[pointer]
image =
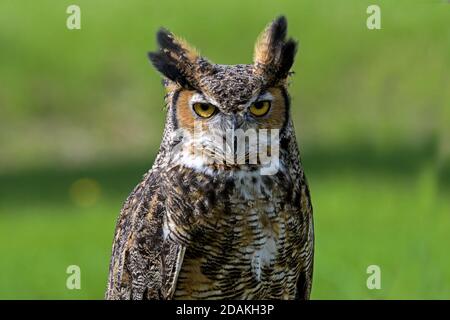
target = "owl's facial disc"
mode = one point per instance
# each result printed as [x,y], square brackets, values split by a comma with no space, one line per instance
[231,133]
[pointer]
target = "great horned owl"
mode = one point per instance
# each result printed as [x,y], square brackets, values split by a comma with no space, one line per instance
[202,226]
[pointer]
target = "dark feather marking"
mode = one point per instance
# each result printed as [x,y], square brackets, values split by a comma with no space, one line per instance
[282,52]
[287,110]
[175,97]
[288,52]
[278,31]
[168,67]
[166,41]
[302,287]
[171,59]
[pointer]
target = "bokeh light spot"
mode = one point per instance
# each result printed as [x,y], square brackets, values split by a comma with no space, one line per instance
[85,192]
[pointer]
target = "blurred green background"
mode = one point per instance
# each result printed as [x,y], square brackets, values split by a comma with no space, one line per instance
[81,117]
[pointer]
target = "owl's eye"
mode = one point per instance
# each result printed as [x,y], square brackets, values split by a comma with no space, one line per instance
[204,110]
[260,108]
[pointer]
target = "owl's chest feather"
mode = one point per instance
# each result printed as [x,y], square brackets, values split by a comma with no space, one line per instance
[261,223]
[247,252]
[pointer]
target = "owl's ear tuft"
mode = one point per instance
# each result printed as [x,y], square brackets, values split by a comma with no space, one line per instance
[274,55]
[288,53]
[168,68]
[175,59]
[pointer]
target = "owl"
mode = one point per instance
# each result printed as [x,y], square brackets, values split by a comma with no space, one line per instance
[207,222]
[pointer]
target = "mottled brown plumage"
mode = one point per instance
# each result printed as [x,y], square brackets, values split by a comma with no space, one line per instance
[199,229]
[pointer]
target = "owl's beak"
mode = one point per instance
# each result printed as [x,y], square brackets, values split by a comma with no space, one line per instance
[237,121]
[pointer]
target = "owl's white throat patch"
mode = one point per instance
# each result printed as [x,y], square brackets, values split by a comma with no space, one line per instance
[207,151]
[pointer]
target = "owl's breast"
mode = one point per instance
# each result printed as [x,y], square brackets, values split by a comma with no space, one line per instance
[249,247]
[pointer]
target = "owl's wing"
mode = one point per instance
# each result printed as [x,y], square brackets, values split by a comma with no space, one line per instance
[304,282]
[143,265]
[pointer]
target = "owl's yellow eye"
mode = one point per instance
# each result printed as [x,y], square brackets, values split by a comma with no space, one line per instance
[204,110]
[260,108]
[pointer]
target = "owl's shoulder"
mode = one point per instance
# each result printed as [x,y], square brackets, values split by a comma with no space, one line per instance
[142,263]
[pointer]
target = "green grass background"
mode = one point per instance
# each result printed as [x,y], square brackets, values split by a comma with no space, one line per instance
[371,110]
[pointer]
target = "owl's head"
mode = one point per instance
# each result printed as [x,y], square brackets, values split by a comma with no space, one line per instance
[221,99]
